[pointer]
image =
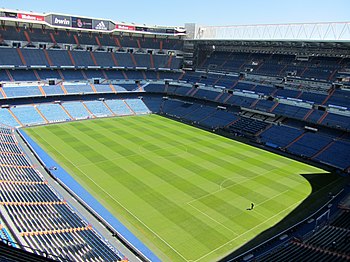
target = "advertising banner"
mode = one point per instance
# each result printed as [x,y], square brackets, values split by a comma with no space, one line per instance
[143,29]
[10,14]
[60,20]
[31,17]
[78,22]
[125,27]
[100,24]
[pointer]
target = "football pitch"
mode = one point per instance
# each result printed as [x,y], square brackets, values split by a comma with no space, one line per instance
[184,192]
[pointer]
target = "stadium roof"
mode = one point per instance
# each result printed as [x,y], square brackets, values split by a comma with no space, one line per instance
[330,31]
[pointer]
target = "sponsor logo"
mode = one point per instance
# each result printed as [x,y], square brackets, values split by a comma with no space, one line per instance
[31,17]
[101,26]
[12,15]
[79,22]
[125,27]
[61,21]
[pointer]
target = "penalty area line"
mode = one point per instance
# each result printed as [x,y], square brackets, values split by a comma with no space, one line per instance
[204,214]
[214,250]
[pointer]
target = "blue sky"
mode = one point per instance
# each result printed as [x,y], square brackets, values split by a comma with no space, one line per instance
[204,12]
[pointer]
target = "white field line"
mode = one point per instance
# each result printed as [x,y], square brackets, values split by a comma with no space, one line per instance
[127,210]
[213,219]
[223,188]
[260,214]
[184,149]
[214,250]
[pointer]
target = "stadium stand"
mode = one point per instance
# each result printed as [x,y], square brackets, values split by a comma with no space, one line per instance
[28,115]
[279,101]
[76,110]
[41,217]
[53,112]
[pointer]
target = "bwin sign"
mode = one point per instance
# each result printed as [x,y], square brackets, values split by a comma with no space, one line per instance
[61,21]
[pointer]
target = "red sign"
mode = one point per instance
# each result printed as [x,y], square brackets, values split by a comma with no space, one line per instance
[125,27]
[31,17]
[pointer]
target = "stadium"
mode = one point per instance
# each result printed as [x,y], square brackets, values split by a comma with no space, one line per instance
[129,142]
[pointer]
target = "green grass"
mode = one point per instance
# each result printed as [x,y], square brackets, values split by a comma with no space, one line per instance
[183,191]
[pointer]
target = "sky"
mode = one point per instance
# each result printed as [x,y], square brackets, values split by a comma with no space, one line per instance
[203,12]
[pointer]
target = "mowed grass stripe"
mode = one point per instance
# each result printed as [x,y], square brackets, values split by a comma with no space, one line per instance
[189,186]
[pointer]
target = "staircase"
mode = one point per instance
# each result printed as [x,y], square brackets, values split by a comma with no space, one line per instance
[133,59]
[41,114]
[113,89]
[27,36]
[76,40]
[308,114]
[3,93]
[48,57]
[125,75]
[138,43]
[36,75]
[65,110]
[218,97]
[254,103]
[53,38]
[322,117]
[87,109]
[42,90]
[114,59]
[98,41]
[71,57]
[144,75]
[329,95]
[151,59]
[9,75]
[21,56]
[274,106]
[132,111]
[117,42]
[227,98]
[93,88]
[60,73]
[84,75]
[295,140]
[110,110]
[64,89]
[104,74]
[15,117]
[181,76]
[93,58]
[169,61]
[231,123]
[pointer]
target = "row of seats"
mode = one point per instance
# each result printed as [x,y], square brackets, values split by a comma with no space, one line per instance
[278,105]
[321,68]
[61,36]
[339,97]
[203,115]
[65,89]
[318,146]
[41,218]
[61,58]
[26,115]
[84,74]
